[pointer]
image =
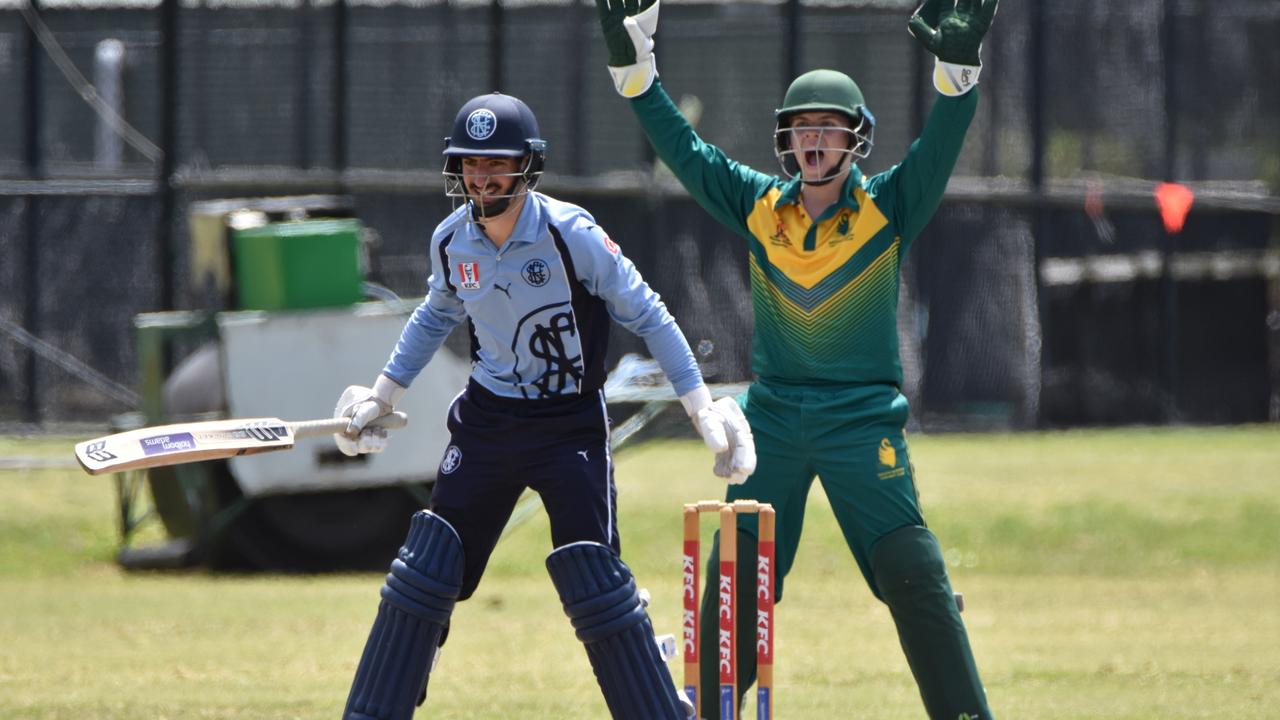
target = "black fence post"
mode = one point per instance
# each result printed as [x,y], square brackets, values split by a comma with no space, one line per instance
[1168,284]
[581,19]
[169,44]
[791,12]
[34,161]
[340,159]
[302,86]
[1039,78]
[496,50]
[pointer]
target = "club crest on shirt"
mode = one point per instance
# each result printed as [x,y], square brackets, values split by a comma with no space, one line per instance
[779,237]
[548,338]
[611,246]
[843,225]
[535,272]
[469,276]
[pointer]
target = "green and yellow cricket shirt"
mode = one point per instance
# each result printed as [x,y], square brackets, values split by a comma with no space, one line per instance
[824,290]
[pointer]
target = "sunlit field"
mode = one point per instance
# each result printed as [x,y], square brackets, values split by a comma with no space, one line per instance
[1112,574]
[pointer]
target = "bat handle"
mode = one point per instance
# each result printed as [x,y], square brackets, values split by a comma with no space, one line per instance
[329,426]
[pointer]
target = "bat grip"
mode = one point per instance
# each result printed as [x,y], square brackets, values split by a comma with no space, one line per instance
[329,426]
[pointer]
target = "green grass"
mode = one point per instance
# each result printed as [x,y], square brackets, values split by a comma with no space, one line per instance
[1121,574]
[43,446]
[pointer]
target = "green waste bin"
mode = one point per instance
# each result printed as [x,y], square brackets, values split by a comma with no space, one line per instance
[295,265]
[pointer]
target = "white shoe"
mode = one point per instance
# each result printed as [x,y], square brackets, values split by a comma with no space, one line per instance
[687,704]
[666,647]
[667,651]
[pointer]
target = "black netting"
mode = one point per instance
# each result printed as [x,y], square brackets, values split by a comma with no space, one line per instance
[1018,307]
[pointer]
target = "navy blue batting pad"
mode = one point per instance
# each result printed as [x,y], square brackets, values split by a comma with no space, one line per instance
[419,596]
[600,598]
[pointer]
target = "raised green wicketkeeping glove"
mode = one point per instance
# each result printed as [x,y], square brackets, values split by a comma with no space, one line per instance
[628,27]
[953,30]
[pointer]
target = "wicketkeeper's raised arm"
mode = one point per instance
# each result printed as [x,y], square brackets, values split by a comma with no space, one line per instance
[628,27]
[723,187]
[952,30]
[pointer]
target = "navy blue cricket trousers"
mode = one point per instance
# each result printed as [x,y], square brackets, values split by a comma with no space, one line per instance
[558,447]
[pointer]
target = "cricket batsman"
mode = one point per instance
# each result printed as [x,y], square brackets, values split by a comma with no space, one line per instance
[538,285]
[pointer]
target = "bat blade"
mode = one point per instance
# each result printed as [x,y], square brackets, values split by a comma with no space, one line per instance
[183,443]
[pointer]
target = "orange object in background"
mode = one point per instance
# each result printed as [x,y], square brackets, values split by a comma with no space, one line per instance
[1174,201]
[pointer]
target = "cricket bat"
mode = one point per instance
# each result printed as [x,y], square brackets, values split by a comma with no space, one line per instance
[195,441]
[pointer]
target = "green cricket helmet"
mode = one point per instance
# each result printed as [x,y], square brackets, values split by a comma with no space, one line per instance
[823,91]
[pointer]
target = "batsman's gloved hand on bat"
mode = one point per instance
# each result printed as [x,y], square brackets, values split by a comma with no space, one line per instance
[362,405]
[724,429]
[628,32]
[953,30]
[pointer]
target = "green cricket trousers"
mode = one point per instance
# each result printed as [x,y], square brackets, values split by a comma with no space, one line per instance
[851,439]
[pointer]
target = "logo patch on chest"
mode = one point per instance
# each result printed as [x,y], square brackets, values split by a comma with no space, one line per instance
[779,237]
[469,276]
[842,228]
[535,272]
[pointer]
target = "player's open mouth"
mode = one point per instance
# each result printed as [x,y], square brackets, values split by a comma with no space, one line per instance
[813,158]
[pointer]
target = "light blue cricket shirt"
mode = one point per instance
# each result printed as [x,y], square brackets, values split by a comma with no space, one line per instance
[538,309]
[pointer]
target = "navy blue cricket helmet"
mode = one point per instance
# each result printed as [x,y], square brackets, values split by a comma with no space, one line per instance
[494,125]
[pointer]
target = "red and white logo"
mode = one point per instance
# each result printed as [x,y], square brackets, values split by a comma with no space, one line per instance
[469,273]
[611,246]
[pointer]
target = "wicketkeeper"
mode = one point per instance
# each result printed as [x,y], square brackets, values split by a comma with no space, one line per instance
[538,283]
[825,245]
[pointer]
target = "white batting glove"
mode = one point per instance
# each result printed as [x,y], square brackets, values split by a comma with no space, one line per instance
[724,429]
[362,405]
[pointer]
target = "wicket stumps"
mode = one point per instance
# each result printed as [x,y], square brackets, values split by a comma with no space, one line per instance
[765,588]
